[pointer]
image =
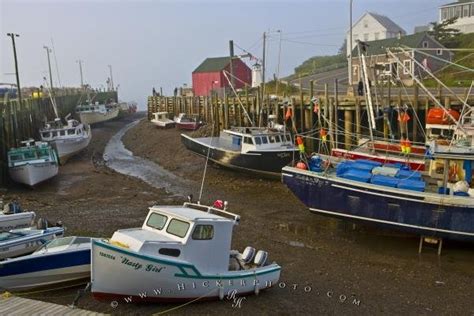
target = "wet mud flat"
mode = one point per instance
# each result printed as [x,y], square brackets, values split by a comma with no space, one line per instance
[328,266]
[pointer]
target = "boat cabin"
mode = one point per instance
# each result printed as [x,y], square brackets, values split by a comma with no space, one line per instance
[191,233]
[91,108]
[74,128]
[161,116]
[258,139]
[63,244]
[40,152]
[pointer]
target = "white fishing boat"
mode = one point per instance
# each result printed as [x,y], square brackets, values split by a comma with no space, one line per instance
[96,113]
[32,163]
[179,254]
[19,242]
[67,139]
[161,119]
[60,260]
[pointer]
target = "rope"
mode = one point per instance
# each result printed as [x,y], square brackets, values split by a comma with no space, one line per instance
[185,304]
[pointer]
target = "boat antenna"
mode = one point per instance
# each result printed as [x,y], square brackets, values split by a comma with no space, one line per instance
[53,101]
[56,63]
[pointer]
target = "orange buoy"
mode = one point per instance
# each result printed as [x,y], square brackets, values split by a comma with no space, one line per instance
[404,117]
[288,114]
[301,165]
[324,135]
[300,143]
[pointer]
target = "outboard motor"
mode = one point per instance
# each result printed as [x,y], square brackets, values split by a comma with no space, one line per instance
[42,223]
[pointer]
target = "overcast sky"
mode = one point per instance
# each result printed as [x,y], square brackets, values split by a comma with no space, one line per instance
[160,43]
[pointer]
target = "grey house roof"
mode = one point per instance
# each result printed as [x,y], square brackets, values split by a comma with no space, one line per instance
[387,23]
[379,47]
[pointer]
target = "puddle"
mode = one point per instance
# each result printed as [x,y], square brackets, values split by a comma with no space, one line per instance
[122,160]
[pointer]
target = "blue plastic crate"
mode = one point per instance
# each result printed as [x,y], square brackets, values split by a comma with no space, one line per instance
[384,180]
[413,185]
[356,175]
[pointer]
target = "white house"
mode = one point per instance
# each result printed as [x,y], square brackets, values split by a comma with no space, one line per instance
[463,10]
[373,27]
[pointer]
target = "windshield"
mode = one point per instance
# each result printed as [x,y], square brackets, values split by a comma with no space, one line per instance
[7,236]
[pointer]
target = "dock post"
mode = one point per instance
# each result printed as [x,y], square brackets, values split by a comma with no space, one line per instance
[348,122]
[357,119]
[301,111]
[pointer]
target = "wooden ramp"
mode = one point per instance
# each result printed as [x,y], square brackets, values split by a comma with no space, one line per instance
[24,306]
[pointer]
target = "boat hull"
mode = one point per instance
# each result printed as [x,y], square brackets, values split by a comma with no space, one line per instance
[16,221]
[269,162]
[67,148]
[97,117]
[190,126]
[117,272]
[34,271]
[163,124]
[414,164]
[414,212]
[33,173]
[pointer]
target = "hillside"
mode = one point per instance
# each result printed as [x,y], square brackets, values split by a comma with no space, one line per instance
[318,64]
[453,75]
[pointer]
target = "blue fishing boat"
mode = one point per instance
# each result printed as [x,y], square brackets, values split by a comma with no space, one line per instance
[386,195]
[19,242]
[58,261]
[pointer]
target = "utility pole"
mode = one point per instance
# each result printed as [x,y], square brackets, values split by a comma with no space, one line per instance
[231,53]
[111,77]
[80,70]
[349,45]
[263,63]
[48,50]
[13,35]
[278,67]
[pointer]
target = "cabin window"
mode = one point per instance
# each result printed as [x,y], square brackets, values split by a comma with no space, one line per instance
[177,228]
[16,157]
[169,252]
[157,221]
[70,132]
[203,232]
[272,139]
[47,135]
[78,132]
[277,138]
[236,141]
[258,140]
[264,140]
[30,155]
[43,153]
[55,134]
[288,137]
[248,140]
[81,240]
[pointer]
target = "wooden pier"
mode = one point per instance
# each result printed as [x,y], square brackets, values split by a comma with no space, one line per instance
[345,116]
[18,306]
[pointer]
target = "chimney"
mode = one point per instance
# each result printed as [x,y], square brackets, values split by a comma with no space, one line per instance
[399,34]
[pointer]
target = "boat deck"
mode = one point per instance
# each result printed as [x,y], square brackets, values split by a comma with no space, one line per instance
[14,305]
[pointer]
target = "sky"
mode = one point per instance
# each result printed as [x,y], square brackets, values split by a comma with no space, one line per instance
[159,43]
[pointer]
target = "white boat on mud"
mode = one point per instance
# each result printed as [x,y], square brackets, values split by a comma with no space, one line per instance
[96,113]
[60,260]
[67,139]
[180,253]
[21,242]
[16,221]
[33,163]
[160,119]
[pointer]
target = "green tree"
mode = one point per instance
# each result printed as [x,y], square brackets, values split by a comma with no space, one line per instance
[445,34]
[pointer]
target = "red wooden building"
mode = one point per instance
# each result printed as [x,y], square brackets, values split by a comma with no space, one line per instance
[210,75]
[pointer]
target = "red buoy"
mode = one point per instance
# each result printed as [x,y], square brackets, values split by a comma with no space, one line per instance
[301,165]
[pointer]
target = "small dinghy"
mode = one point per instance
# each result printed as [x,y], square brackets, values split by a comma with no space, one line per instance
[19,242]
[58,261]
[13,217]
[67,139]
[33,163]
[160,119]
[188,122]
[181,253]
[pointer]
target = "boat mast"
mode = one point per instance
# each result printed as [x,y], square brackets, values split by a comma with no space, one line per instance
[367,94]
